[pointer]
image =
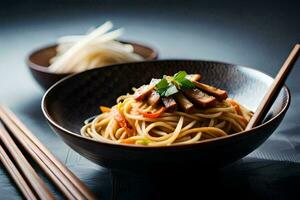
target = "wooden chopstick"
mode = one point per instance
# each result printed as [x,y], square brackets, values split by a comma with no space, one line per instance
[41,160]
[63,178]
[32,178]
[16,176]
[274,89]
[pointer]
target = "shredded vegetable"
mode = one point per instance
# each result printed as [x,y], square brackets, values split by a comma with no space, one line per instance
[76,53]
[154,114]
[104,109]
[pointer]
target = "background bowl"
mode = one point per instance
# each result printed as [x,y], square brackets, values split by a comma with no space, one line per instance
[69,102]
[38,62]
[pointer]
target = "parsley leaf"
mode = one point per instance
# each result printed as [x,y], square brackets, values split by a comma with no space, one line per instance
[170,85]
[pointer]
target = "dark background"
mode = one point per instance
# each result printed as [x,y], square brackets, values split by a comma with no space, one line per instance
[259,34]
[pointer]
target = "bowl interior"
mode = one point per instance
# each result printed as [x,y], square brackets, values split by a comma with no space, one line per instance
[71,101]
[42,56]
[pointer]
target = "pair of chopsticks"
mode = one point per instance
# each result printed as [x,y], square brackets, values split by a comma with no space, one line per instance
[28,181]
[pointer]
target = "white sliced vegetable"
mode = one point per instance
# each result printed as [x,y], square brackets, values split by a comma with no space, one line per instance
[98,48]
[70,38]
[75,49]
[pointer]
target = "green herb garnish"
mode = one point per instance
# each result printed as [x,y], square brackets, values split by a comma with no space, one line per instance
[180,75]
[182,82]
[163,83]
[170,85]
[165,89]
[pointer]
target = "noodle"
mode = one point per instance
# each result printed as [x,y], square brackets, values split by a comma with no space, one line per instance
[227,117]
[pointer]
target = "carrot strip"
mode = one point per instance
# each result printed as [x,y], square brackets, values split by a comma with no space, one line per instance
[104,109]
[122,122]
[153,115]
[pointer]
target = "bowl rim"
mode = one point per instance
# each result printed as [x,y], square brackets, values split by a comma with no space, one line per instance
[153,56]
[133,146]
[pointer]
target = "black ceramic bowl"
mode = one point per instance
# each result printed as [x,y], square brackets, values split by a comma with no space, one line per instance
[69,102]
[38,62]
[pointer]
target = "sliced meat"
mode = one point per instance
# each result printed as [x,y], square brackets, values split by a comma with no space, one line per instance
[216,92]
[153,98]
[143,92]
[169,103]
[193,77]
[202,99]
[184,103]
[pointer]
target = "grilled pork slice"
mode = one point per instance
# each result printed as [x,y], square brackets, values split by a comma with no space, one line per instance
[202,99]
[153,98]
[193,77]
[216,92]
[184,103]
[145,90]
[142,92]
[169,103]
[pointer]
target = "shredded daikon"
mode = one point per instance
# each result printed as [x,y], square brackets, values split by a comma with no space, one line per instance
[98,48]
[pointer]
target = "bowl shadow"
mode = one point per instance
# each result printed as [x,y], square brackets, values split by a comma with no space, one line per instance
[245,179]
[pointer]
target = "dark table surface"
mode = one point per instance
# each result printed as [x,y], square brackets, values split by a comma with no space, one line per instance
[254,34]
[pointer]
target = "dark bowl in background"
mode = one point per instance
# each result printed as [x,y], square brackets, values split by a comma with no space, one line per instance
[38,61]
[72,100]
